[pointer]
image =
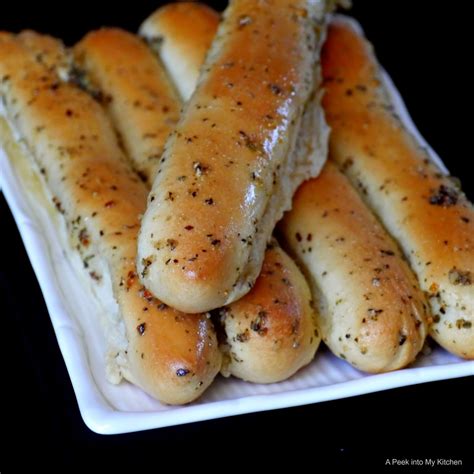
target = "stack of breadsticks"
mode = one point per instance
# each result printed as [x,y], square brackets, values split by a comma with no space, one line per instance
[181,159]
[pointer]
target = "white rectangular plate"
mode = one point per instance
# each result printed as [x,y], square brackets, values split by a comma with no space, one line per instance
[110,409]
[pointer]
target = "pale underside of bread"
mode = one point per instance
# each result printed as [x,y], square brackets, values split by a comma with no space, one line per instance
[40,198]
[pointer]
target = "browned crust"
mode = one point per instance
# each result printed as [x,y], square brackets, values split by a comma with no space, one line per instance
[182,30]
[102,199]
[133,87]
[224,159]
[423,209]
[272,331]
[373,313]
[47,50]
[193,35]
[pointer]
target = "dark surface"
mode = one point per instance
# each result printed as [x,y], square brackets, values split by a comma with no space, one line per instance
[426,51]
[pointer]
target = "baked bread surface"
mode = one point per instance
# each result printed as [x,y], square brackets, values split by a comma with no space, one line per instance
[230,168]
[372,311]
[171,355]
[421,207]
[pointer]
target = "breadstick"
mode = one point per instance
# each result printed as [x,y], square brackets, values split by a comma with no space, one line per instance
[273,330]
[372,311]
[181,34]
[171,355]
[421,207]
[250,134]
[141,102]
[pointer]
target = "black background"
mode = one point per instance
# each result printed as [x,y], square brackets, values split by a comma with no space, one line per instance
[426,48]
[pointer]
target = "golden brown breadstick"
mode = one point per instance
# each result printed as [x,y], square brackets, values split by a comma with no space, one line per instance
[140,100]
[372,312]
[424,210]
[181,33]
[245,141]
[272,331]
[171,355]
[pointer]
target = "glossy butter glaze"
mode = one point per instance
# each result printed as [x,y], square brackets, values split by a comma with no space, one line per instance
[217,195]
